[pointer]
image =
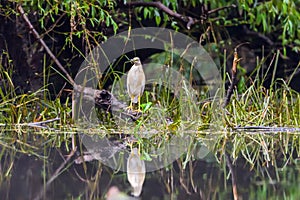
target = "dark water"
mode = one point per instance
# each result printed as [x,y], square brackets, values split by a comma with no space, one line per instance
[47,173]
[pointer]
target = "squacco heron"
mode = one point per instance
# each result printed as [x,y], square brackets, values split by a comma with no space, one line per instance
[135,82]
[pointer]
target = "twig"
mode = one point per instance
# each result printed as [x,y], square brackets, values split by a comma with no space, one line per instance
[189,20]
[222,8]
[37,36]
[235,62]
[233,176]
[40,123]
[266,129]
[54,176]
[33,124]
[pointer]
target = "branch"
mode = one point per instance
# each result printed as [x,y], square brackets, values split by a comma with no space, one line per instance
[219,9]
[187,19]
[235,62]
[107,101]
[57,172]
[233,177]
[37,36]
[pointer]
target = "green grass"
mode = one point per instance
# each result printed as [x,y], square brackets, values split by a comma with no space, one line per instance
[203,120]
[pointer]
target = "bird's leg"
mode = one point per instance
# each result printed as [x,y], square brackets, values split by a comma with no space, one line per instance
[139,104]
[139,149]
[131,145]
[130,107]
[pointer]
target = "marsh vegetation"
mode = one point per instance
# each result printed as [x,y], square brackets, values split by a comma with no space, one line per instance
[193,145]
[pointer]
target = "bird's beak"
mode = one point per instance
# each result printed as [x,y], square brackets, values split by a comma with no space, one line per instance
[131,60]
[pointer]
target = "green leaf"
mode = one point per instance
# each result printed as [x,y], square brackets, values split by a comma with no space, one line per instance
[146,156]
[146,106]
[115,26]
[91,21]
[264,23]
[157,20]
[146,13]
[93,11]
[107,21]
[101,14]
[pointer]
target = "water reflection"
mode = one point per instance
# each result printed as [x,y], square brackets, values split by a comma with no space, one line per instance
[114,193]
[136,172]
[25,176]
[114,152]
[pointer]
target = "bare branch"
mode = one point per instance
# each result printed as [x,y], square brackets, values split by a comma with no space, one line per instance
[189,20]
[37,36]
[235,62]
[222,8]
[57,172]
[233,177]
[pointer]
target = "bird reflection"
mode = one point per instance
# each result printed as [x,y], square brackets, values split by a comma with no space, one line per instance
[115,194]
[136,171]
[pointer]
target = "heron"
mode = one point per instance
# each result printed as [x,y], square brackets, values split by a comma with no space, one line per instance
[136,83]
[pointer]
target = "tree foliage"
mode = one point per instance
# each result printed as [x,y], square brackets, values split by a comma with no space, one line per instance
[279,19]
[275,18]
[80,25]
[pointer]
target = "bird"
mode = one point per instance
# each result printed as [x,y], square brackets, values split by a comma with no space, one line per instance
[136,172]
[136,83]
